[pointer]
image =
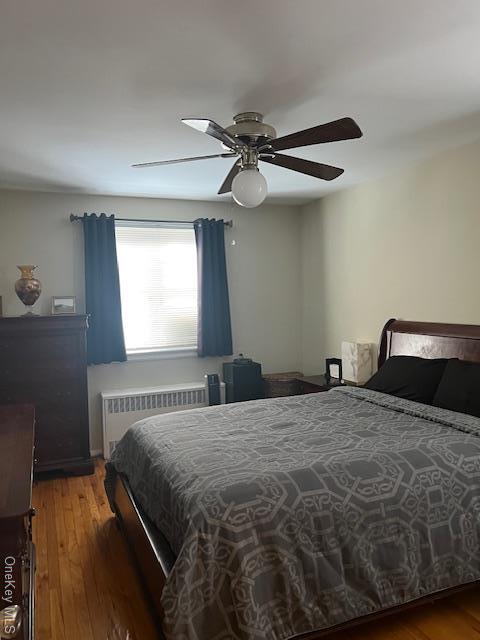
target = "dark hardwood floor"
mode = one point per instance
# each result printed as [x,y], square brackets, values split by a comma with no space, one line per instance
[88,588]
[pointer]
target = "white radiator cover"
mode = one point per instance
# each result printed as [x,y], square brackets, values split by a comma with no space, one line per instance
[122,408]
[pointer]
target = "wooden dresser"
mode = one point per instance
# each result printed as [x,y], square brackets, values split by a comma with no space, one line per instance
[17,553]
[43,362]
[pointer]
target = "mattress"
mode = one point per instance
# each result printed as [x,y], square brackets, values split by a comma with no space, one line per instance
[290,515]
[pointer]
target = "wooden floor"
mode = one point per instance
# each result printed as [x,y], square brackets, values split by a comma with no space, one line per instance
[87,587]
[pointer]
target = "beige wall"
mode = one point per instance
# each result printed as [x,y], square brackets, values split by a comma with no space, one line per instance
[263,267]
[405,246]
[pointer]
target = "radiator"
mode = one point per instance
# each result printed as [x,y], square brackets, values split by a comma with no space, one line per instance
[121,409]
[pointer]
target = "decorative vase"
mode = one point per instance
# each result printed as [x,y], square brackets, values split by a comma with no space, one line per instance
[27,287]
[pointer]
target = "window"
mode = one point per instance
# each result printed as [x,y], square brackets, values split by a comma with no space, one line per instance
[157,265]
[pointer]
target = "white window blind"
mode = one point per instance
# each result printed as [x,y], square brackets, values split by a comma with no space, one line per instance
[158,284]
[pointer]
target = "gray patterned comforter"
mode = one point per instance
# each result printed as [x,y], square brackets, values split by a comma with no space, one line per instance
[294,514]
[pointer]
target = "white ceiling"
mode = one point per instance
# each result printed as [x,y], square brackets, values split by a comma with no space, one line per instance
[88,87]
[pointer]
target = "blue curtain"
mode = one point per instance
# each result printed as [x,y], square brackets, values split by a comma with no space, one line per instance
[105,342]
[214,326]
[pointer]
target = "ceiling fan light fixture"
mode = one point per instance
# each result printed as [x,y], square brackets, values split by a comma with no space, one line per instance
[251,140]
[249,188]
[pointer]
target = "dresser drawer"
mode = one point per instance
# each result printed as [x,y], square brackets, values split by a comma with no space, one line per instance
[30,349]
[61,434]
[13,374]
[45,392]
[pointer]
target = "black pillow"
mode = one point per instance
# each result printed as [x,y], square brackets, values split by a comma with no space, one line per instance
[459,388]
[409,377]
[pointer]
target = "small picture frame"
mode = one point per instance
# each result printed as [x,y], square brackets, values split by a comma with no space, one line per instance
[63,305]
[329,364]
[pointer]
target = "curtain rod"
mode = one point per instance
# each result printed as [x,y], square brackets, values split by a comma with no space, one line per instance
[74,218]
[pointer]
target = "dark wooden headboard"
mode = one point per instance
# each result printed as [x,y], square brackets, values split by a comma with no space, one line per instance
[429,340]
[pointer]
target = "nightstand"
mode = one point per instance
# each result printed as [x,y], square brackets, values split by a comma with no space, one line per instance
[315,384]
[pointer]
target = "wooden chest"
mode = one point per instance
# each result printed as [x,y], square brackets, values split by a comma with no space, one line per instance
[43,362]
[278,385]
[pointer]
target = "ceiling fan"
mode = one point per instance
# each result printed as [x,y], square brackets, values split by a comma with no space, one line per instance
[250,139]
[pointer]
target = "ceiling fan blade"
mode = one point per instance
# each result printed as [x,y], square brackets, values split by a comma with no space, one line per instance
[142,165]
[213,129]
[343,129]
[315,169]
[227,183]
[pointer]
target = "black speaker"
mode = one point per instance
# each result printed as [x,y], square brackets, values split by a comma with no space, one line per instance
[243,380]
[213,388]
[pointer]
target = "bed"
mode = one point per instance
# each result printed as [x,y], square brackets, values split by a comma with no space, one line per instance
[291,517]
